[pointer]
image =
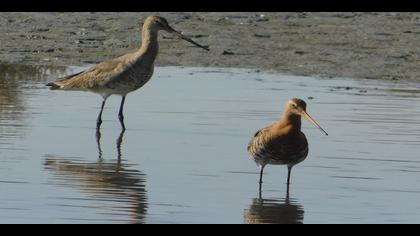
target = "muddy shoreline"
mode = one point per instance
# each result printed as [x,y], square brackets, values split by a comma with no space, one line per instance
[356,45]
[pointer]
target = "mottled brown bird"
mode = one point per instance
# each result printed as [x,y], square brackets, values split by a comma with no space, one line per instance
[123,74]
[282,143]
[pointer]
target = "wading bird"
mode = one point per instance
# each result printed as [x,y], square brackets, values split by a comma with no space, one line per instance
[123,74]
[283,142]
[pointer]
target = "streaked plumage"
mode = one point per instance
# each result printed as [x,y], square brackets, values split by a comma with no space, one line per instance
[123,74]
[282,143]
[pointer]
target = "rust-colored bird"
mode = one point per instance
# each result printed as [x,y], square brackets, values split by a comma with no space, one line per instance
[123,74]
[282,143]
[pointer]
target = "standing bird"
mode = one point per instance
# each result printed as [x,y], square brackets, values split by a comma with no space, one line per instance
[123,74]
[282,143]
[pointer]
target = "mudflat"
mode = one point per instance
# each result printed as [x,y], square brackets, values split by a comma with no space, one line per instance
[333,44]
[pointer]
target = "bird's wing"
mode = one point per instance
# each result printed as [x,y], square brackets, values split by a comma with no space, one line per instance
[94,77]
[261,131]
[258,135]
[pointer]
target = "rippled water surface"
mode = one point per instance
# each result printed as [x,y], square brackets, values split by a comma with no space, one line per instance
[183,157]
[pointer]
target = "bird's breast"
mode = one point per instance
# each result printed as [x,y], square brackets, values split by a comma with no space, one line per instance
[287,149]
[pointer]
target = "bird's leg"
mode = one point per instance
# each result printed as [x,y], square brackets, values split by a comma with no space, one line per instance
[119,142]
[286,200]
[120,113]
[98,142]
[289,170]
[99,119]
[261,173]
[260,182]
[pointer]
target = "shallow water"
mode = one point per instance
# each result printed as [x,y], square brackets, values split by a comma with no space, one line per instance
[183,157]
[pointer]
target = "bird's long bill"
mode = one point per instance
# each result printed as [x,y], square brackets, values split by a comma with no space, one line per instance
[179,34]
[309,118]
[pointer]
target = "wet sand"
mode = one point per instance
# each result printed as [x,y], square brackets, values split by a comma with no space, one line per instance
[357,45]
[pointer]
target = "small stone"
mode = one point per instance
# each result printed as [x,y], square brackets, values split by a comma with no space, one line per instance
[228,53]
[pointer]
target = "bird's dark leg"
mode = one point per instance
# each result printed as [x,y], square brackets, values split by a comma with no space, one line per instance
[99,119]
[286,200]
[98,142]
[261,173]
[289,170]
[119,142]
[260,183]
[120,113]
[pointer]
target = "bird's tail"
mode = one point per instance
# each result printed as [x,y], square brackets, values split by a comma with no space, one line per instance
[53,86]
[61,82]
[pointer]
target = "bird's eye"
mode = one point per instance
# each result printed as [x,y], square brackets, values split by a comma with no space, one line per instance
[293,105]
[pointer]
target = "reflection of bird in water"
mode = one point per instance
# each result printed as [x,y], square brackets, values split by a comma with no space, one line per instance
[274,211]
[119,142]
[105,181]
[283,142]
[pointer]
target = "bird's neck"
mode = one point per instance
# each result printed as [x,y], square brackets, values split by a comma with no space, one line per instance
[149,44]
[291,121]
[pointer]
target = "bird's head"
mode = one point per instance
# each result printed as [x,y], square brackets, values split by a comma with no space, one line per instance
[297,106]
[159,23]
